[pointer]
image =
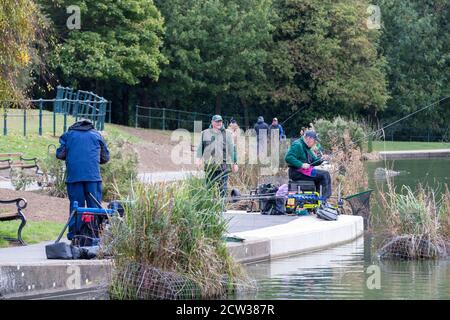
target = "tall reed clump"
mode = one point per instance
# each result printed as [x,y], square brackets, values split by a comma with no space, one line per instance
[171,240]
[347,167]
[416,223]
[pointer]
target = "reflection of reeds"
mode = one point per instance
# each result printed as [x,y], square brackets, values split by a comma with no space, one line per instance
[415,223]
[176,228]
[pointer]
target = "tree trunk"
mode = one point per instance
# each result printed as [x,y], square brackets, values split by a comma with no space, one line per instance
[219,103]
[245,106]
[125,106]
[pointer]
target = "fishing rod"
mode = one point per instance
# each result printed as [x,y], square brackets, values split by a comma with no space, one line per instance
[392,123]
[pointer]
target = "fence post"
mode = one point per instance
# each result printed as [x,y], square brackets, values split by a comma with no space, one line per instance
[109,107]
[40,117]
[5,122]
[149,117]
[65,122]
[136,115]
[164,119]
[54,123]
[24,122]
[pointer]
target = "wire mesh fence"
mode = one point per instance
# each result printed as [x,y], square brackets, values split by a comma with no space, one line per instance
[171,119]
[414,247]
[137,281]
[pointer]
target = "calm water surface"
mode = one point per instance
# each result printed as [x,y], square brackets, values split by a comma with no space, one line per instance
[344,272]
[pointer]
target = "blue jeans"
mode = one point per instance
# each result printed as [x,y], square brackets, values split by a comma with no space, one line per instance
[78,191]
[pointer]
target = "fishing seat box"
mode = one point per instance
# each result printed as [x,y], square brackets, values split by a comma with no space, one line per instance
[304,185]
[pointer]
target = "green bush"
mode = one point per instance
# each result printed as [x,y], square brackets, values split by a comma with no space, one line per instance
[53,179]
[332,133]
[121,170]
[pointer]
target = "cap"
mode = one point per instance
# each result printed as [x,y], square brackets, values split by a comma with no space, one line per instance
[312,134]
[216,118]
[233,120]
[274,119]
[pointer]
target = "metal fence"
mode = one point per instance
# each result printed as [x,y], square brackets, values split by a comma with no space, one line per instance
[172,119]
[413,134]
[53,115]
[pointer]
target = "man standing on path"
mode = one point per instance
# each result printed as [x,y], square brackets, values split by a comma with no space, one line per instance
[84,150]
[276,126]
[217,152]
[262,131]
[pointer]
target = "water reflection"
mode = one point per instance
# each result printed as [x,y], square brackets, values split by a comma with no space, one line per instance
[341,273]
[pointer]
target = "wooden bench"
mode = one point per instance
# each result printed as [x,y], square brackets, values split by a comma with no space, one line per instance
[16,160]
[16,214]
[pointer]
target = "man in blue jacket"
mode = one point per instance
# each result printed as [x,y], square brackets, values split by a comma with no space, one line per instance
[84,149]
[276,126]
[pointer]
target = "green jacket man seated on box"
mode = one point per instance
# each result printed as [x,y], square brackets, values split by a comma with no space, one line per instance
[301,161]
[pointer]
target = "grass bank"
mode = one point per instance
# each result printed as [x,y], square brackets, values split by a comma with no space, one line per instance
[33,232]
[408,145]
[34,145]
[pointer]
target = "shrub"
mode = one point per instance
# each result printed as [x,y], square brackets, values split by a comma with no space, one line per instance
[121,170]
[332,133]
[53,179]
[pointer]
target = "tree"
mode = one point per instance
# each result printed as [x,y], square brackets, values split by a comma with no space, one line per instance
[119,42]
[325,59]
[19,23]
[215,48]
[416,43]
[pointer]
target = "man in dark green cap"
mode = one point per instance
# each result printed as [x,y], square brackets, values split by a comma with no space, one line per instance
[218,153]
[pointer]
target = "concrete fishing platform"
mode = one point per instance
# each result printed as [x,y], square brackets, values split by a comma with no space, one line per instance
[25,272]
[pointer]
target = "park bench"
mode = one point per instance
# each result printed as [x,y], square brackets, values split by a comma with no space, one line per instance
[15,214]
[16,160]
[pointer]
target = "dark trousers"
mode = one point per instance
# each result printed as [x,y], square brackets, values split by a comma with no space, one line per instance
[322,178]
[219,177]
[78,191]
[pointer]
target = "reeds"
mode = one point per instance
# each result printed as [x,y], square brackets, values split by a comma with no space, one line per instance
[347,169]
[175,228]
[416,223]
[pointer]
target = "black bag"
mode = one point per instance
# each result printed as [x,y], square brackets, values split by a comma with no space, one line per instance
[64,251]
[271,205]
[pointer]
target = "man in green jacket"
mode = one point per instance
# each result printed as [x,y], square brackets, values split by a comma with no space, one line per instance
[217,152]
[301,161]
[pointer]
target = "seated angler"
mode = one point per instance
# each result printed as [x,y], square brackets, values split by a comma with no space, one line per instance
[301,161]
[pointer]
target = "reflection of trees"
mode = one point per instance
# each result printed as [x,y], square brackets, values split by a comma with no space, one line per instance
[340,273]
[415,279]
[328,274]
